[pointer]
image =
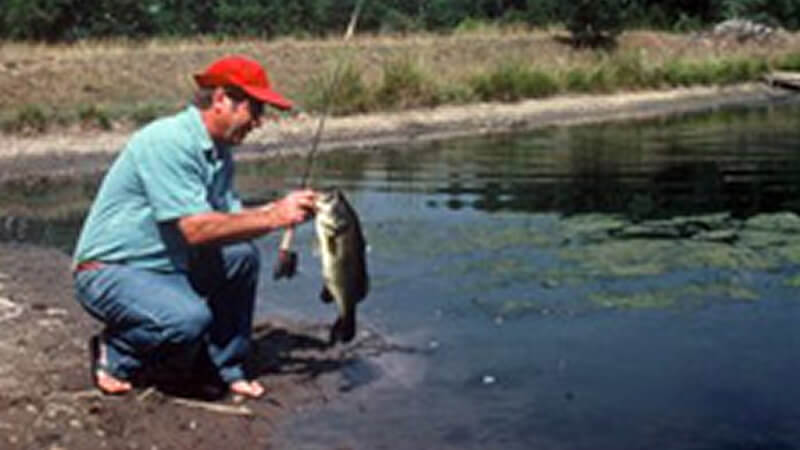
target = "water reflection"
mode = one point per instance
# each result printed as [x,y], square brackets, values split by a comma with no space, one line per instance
[743,162]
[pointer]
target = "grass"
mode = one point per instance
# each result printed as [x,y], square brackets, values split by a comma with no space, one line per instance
[106,84]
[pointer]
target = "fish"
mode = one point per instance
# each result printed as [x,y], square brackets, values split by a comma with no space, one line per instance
[342,249]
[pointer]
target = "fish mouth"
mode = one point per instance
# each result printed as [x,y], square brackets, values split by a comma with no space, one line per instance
[326,196]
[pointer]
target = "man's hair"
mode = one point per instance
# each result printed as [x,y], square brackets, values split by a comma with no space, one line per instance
[204,96]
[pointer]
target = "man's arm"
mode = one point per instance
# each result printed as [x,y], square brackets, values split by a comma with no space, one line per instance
[220,228]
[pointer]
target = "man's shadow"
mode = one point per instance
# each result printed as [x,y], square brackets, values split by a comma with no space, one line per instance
[275,350]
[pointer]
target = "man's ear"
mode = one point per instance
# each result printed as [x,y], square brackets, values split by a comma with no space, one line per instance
[218,99]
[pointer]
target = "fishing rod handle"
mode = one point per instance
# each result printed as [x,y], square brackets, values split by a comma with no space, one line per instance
[286,240]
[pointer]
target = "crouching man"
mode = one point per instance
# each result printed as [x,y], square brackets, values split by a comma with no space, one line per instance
[164,259]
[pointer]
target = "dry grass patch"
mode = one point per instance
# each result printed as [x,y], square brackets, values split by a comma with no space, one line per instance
[118,80]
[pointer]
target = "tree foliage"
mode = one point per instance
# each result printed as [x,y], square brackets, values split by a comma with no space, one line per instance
[66,20]
[595,22]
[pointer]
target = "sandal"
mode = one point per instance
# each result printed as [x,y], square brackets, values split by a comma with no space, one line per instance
[98,371]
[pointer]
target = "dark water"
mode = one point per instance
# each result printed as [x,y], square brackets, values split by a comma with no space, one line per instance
[512,326]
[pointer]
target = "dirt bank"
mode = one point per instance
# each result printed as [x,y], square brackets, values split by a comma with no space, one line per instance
[71,152]
[45,397]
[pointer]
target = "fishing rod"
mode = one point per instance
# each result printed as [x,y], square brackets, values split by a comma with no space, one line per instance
[286,265]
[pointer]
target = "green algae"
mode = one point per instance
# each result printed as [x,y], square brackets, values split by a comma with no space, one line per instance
[690,296]
[395,241]
[510,309]
[687,297]
[792,281]
[713,241]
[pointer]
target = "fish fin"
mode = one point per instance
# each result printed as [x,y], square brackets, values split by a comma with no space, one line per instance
[325,295]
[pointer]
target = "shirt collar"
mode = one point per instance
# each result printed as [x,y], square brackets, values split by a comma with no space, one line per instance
[199,133]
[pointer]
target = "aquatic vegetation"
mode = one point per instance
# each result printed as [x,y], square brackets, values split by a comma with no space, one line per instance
[785,222]
[793,281]
[691,296]
[628,258]
[398,239]
[661,299]
[509,309]
[589,227]
[714,241]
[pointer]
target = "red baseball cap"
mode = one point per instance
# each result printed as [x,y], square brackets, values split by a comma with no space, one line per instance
[244,73]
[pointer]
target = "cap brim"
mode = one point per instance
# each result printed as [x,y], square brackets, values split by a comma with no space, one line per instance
[263,94]
[268,96]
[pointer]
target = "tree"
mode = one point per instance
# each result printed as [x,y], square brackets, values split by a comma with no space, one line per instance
[595,22]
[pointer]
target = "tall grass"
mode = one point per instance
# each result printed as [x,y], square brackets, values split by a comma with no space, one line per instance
[113,83]
[405,84]
[789,62]
[513,82]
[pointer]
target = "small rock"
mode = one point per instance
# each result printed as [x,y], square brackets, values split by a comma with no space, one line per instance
[50,323]
[56,312]
[192,425]
[75,423]
[550,284]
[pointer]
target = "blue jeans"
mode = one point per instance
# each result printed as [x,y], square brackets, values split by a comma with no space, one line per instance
[152,317]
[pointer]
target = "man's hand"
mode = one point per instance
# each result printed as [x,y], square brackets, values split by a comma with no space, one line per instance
[220,228]
[293,209]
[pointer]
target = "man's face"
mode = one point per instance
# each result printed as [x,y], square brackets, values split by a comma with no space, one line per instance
[240,118]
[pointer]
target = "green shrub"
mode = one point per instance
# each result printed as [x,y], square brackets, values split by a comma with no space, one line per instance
[94,116]
[601,79]
[577,80]
[724,71]
[29,119]
[144,113]
[630,71]
[404,84]
[511,82]
[346,94]
[788,62]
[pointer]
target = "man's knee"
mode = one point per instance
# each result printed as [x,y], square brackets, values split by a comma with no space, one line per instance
[192,324]
[243,258]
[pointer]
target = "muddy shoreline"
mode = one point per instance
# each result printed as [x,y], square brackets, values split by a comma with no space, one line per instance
[45,397]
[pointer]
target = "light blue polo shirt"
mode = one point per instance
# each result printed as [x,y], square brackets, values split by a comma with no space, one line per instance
[169,169]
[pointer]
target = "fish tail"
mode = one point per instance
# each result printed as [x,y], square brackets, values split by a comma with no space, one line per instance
[344,329]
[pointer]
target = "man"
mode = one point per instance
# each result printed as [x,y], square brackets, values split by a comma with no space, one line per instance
[163,259]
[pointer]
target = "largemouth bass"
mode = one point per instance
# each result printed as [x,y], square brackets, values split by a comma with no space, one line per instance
[344,265]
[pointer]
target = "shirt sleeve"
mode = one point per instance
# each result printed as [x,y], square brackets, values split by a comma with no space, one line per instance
[173,177]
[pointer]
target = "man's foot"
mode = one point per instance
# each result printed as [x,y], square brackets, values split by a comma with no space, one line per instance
[247,388]
[107,383]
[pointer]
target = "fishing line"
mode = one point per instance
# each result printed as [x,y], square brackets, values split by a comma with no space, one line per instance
[286,266]
[326,101]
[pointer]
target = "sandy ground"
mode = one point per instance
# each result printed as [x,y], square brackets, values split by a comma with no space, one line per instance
[46,401]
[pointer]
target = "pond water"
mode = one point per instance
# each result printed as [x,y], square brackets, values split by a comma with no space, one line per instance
[620,286]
